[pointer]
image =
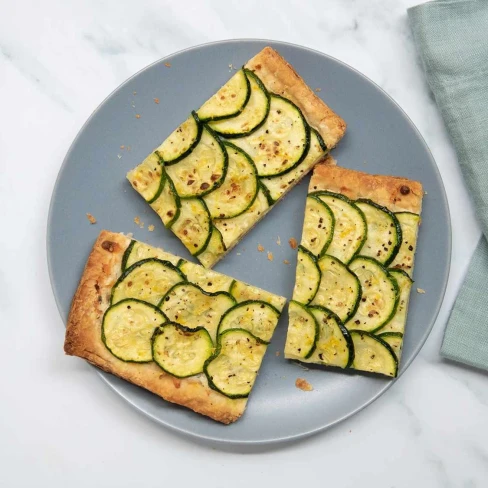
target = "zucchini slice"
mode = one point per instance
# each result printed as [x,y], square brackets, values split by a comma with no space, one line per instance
[181,141]
[188,305]
[229,101]
[281,143]
[409,223]
[395,341]
[259,318]
[397,322]
[193,226]
[350,230]
[179,351]
[379,297]
[334,346]
[239,189]
[206,279]
[137,251]
[372,354]
[147,178]
[253,115]
[308,276]
[147,280]
[233,229]
[214,249]
[303,332]
[384,232]
[127,328]
[279,185]
[318,227]
[203,170]
[232,371]
[243,292]
[168,203]
[339,289]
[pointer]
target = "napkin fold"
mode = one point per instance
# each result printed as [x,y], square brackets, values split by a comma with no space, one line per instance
[452,40]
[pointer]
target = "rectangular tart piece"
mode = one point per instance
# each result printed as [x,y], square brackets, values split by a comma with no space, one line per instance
[190,335]
[224,167]
[354,269]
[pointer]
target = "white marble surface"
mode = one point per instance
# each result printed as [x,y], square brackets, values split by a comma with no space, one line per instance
[59,424]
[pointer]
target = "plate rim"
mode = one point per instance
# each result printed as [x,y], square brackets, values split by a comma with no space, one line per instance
[222,441]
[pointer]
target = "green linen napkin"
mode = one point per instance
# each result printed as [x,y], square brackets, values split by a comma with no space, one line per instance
[452,40]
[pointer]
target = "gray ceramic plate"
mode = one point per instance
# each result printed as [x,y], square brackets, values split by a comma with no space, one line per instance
[380,139]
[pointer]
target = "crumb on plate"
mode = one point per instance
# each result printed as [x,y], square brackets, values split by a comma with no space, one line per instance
[318,90]
[91,218]
[138,116]
[293,243]
[260,248]
[156,100]
[134,93]
[168,65]
[150,228]
[285,261]
[303,384]
[278,241]
[270,256]
[122,147]
[138,221]
[277,353]
[420,290]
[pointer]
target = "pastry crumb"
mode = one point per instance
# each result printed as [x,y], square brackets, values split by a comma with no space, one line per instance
[238,253]
[138,221]
[91,218]
[138,116]
[168,65]
[122,147]
[318,90]
[278,241]
[156,100]
[285,261]
[293,243]
[303,384]
[119,156]
[260,248]
[420,290]
[134,93]
[277,353]
[425,193]
[270,256]
[150,228]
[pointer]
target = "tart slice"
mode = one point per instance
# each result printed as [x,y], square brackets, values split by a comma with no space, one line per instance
[226,165]
[354,270]
[190,335]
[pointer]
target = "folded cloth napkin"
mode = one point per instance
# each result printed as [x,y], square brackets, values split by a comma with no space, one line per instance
[452,40]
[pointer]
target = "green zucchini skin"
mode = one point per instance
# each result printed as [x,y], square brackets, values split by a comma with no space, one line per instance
[162,180]
[290,338]
[126,255]
[313,260]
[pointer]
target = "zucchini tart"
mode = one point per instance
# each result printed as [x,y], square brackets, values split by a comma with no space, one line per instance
[193,336]
[354,270]
[226,165]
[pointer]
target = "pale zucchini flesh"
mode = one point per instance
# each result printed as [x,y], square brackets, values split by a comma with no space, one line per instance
[214,249]
[147,177]
[193,226]
[234,368]
[395,341]
[127,328]
[253,114]
[181,141]
[188,305]
[244,292]
[339,289]
[279,185]
[334,344]
[239,189]
[303,332]
[318,226]
[137,251]
[372,354]
[179,351]
[384,232]
[203,170]
[206,279]
[281,143]
[409,223]
[379,297]
[167,205]
[307,278]
[229,101]
[350,229]
[259,318]
[147,280]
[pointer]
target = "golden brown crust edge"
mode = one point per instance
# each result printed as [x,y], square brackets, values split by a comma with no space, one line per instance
[83,338]
[280,77]
[396,193]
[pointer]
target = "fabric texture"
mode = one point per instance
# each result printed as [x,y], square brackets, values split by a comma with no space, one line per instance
[452,40]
